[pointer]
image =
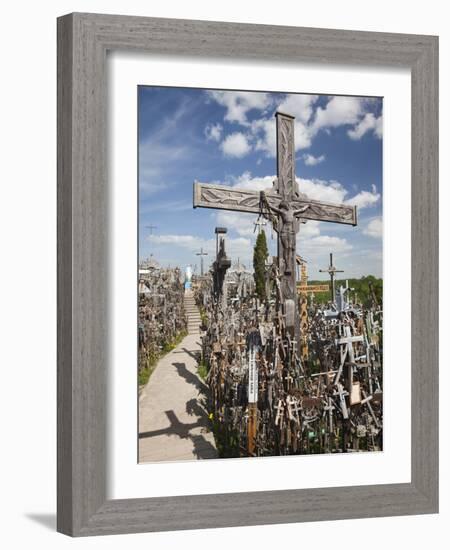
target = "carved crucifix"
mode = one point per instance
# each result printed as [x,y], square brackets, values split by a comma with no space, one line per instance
[332,272]
[283,203]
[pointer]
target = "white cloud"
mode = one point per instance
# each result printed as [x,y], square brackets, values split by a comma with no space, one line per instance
[303,136]
[321,190]
[213,132]
[299,105]
[246,181]
[265,129]
[310,229]
[367,124]
[316,249]
[338,111]
[266,138]
[238,104]
[241,222]
[364,199]
[235,145]
[321,243]
[374,228]
[311,160]
[333,191]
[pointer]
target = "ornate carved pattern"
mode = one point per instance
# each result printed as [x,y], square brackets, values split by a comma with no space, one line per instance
[242,200]
[286,156]
[237,199]
[321,211]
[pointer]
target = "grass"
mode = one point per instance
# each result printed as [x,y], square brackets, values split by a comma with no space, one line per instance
[202,370]
[226,439]
[146,371]
[203,316]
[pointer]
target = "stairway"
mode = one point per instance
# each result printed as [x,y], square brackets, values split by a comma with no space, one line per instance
[192,313]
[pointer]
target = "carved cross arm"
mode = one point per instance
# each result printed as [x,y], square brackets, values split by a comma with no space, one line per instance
[209,195]
[326,211]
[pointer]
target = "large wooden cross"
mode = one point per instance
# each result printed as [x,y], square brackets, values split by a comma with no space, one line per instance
[284,204]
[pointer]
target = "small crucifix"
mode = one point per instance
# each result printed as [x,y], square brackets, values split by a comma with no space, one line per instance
[258,224]
[201,254]
[151,228]
[285,206]
[332,272]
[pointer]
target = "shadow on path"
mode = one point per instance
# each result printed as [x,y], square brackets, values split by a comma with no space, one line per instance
[181,429]
[202,447]
[190,378]
[195,354]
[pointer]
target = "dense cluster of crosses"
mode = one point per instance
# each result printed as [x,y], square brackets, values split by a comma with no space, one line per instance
[162,319]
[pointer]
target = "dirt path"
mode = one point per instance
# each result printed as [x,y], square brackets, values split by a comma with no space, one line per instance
[173,423]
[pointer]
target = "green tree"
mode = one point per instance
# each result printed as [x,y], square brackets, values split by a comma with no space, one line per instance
[260,254]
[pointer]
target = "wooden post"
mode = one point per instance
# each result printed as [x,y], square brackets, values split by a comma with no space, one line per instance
[251,428]
[253,341]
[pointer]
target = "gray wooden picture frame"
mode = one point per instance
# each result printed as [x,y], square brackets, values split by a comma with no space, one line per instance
[83,41]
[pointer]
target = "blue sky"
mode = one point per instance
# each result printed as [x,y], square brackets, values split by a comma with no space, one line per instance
[229,137]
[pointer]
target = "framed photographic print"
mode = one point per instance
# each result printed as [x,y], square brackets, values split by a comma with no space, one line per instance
[247,279]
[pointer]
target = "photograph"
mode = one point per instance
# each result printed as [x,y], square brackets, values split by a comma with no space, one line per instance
[260,274]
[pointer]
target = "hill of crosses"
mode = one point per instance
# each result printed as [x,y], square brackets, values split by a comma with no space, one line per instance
[288,368]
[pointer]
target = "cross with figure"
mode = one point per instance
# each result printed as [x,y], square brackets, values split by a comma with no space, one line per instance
[285,206]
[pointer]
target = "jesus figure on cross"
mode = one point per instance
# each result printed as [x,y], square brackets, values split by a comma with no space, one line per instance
[287,229]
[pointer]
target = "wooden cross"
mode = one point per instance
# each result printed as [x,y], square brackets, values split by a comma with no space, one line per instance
[151,227]
[258,224]
[332,272]
[201,254]
[284,205]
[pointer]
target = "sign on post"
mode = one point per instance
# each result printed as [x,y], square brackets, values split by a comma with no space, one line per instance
[252,376]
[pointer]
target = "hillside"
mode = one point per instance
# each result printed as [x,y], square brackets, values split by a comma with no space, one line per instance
[361,289]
